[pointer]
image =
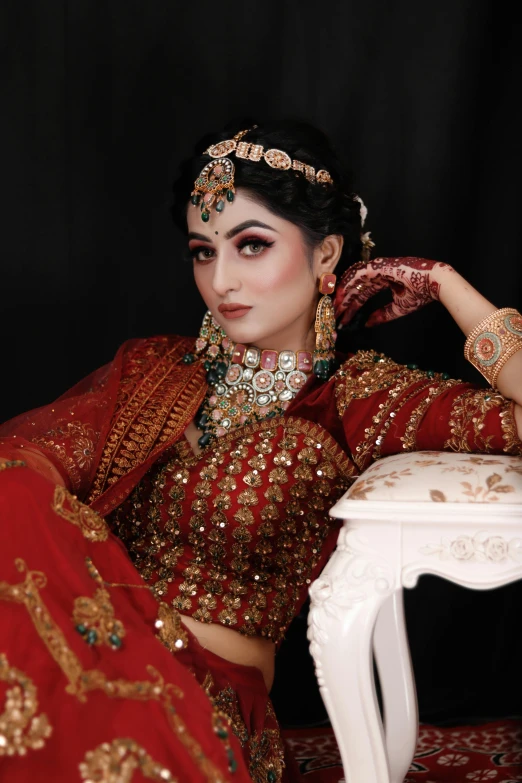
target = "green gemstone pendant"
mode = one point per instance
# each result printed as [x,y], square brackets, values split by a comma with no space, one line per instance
[230,195]
[232,763]
[195,199]
[205,217]
[91,637]
[220,206]
[115,641]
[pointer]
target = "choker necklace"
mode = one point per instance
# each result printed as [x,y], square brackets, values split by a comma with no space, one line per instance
[255,385]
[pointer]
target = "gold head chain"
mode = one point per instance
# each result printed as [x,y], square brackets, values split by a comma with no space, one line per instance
[215,182]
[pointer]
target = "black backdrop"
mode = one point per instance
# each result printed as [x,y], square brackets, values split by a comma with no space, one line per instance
[99,103]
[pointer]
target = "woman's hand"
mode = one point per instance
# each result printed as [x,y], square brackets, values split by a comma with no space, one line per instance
[414,282]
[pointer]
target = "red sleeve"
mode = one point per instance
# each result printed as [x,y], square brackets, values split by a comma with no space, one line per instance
[387,408]
[69,432]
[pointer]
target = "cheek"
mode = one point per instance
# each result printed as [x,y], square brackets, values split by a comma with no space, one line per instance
[289,269]
[203,282]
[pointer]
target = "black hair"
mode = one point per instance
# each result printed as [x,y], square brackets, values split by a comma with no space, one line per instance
[318,209]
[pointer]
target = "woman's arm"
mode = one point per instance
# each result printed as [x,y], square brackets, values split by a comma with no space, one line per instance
[415,282]
[388,408]
[468,307]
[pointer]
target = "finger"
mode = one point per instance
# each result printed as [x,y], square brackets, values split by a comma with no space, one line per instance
[362,288]
[349,273]
[357,274]
[357,298]
[363,280]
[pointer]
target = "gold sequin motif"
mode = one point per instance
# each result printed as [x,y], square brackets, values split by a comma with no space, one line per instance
[116,762]
[21,729]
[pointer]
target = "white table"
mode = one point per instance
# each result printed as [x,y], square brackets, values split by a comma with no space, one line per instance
[458,516]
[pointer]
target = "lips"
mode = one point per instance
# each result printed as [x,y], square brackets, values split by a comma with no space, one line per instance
[233,310]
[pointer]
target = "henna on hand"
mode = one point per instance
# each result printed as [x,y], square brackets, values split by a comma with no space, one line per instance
[413,282]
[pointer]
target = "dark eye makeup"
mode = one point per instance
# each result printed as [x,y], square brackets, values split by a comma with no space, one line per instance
[254,241]
[203,253]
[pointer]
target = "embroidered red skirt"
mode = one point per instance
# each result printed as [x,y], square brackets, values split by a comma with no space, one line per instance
[239,692]
[94,684]
[87,690]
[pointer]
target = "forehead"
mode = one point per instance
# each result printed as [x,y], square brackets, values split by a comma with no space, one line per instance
[244,207]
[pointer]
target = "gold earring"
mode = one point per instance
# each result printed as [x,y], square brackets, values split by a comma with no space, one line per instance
[210,339]
[325,334]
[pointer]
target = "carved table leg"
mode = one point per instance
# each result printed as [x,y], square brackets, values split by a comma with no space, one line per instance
[345,602]
[393,660]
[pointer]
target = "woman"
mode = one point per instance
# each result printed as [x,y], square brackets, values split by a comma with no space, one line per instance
[214,464]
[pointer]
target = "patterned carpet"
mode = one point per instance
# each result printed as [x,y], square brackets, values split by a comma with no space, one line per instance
[489,752]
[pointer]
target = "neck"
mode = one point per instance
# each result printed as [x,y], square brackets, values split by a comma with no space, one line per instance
[298,336]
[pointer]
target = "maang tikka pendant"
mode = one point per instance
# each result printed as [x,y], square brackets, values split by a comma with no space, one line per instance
[214,184]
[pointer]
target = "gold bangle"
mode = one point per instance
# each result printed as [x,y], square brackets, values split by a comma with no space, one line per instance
[513,348]
[493,342]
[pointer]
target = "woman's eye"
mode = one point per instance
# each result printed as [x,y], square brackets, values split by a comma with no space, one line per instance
[202,254]
[254,248]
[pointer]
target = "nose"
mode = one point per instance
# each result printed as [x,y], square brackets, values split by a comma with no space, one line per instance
[225,277]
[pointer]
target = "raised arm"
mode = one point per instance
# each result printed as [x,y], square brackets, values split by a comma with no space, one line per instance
[493,345]
[470,310]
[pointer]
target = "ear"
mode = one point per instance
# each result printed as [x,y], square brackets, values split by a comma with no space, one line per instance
[327,254]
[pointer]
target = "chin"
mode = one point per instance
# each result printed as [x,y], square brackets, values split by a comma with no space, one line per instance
[240,333]
[244,336]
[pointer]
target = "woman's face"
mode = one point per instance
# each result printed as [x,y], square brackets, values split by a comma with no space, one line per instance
[253,272]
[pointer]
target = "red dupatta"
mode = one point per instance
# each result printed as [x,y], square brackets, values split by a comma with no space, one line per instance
[105,432]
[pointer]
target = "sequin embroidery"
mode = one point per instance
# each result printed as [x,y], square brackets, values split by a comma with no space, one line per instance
[251,522]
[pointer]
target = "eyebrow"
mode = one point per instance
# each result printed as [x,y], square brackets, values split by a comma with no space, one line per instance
[234,231]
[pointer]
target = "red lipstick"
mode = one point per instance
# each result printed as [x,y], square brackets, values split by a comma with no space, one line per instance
[233,310]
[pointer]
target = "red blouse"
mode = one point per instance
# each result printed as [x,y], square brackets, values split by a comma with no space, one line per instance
[237,534]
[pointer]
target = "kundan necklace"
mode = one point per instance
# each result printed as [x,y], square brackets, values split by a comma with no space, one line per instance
[254,385]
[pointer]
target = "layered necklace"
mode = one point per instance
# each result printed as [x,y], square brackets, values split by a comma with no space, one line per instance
[252,385]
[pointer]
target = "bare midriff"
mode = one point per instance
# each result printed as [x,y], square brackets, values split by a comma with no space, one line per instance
[234,647]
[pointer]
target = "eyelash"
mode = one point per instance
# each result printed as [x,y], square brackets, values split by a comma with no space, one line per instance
[264,243]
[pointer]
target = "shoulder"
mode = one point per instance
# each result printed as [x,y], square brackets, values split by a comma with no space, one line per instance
[366,373]
[364,362]
[171,347]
